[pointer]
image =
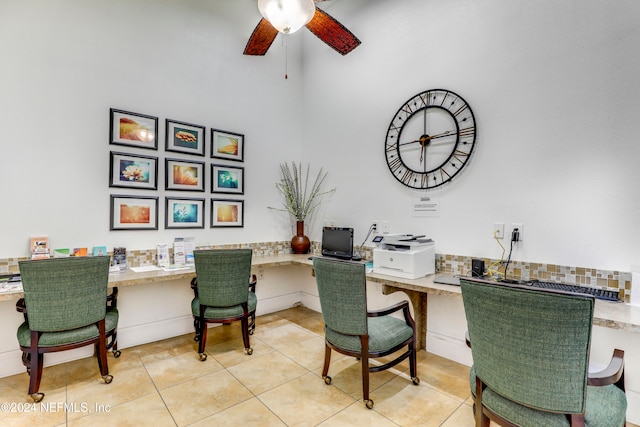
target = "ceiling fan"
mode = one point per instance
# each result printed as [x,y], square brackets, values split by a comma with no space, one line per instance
[319,22]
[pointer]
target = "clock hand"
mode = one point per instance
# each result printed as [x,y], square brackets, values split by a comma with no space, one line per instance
[429,138]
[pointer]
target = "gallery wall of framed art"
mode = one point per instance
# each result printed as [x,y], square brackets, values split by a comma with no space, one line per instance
[138,166]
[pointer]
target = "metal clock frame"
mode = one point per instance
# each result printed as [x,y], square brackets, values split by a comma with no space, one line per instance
[465,131]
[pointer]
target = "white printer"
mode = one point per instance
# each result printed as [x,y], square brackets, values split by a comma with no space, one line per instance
[404,255]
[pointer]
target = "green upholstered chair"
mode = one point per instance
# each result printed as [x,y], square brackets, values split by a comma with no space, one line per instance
[65,307]
[221,293]
[530,352]
[353,330]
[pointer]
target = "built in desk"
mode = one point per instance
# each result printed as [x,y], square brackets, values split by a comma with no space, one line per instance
[607,314]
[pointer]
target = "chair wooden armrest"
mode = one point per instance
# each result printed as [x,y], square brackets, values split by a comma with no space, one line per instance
[112,298]
[252,283]
[612,374]
[194,286]
[402,305]
[21,307]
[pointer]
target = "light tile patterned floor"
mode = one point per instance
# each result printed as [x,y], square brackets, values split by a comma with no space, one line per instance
[165,384]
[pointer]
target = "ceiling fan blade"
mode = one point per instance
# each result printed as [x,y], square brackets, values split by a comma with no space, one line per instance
[333,33]
[263,35]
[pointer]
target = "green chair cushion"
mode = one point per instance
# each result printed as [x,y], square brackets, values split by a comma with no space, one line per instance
[385,332]
[52,339]
[606,407]
[223,312]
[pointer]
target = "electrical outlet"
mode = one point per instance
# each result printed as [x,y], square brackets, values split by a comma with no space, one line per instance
[498,230]
[520,228]
[376,226]
[385,227]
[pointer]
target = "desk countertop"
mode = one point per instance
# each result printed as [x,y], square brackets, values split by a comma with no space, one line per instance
[612,315]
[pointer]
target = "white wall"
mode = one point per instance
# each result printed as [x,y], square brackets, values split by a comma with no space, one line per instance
[65,63]
[555,93]
[553,86]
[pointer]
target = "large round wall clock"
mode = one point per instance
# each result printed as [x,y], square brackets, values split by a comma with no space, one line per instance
[430,139]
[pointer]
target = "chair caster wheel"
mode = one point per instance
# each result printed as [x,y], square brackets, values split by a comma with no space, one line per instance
[369,403]
[203,357]
[251,332]
[117,353]
[107,378]
[196,338]
[327,380]
[415,380]
[249,351]
[37,397]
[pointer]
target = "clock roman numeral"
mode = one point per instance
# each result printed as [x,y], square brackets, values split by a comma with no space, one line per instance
[395,164]
[407,177]
[445,98]
[464,132]
[460,110]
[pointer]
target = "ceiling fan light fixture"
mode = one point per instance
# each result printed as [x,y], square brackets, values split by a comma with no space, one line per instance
[287,16]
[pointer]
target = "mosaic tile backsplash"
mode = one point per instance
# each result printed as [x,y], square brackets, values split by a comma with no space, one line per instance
[445,263]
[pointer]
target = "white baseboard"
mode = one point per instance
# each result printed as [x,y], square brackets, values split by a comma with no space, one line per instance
[449,348]
[633,406]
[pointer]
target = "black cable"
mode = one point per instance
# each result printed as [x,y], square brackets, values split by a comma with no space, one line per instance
[364,241]
[515,237]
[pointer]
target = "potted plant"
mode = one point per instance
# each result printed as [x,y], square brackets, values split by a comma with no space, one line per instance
[300,200]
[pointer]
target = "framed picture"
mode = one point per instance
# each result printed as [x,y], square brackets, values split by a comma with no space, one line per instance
[227,179]
[227,145]
[184,175]
[184,213]
[227,213]
[133,171]
[134,213]
[133,129]
[185,138]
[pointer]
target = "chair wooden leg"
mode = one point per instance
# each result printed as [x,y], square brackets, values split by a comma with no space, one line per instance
[245,335]
[101,350]
[365,381]
[412,363]
[202,342]
[327,361]
[36,375]
[481,419]
[35,359]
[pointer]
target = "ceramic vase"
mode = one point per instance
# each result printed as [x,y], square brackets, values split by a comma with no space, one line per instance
[300,243]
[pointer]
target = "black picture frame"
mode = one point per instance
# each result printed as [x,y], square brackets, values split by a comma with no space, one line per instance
[133,129]
[133,212]
[184,137]
[227,145]
[184,175]
[128,170]
[227,179]
[183,213]
[227,213]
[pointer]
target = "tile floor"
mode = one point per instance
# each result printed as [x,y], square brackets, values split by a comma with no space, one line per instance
[165,384]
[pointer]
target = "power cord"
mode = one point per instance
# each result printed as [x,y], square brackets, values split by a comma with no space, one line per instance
[490,269]
[515,237]
[359,256]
